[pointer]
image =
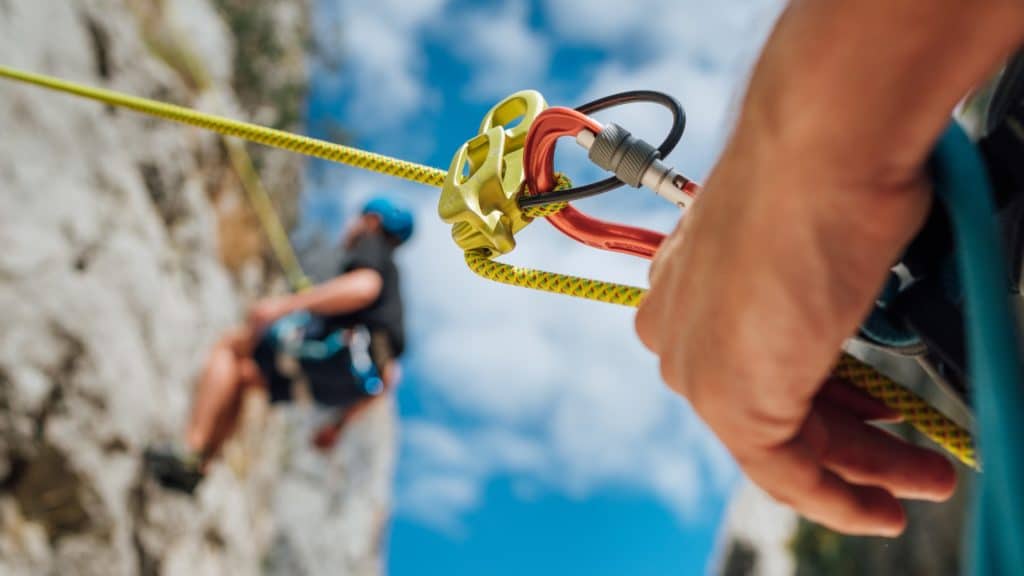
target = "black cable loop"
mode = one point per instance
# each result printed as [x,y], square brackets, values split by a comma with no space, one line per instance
[611,183]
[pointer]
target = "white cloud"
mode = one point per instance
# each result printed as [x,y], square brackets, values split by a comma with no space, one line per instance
[382,63]
[546,388]
[436,444]
[507,54]
[447,470]
[706,29]
[678,481]
[697,50]
[440,500]
[446,485]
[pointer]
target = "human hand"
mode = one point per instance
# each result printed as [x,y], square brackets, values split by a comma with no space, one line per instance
[265,312]
[751,298]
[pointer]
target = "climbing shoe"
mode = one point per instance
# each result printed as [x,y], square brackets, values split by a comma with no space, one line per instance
[174,468]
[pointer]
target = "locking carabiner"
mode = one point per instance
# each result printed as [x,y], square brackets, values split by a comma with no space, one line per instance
[540,179]
[634,162]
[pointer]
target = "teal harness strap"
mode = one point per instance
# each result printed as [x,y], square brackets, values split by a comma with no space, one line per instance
[360,363]
[961,181]
[291,336]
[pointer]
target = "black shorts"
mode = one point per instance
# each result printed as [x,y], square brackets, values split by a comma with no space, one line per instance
[329,376]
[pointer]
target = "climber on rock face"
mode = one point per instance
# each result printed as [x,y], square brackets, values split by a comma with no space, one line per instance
[340,338]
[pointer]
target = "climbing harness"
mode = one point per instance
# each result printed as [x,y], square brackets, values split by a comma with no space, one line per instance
[502,179]
[336,365]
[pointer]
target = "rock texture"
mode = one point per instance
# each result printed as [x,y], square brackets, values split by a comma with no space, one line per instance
[332,510]
[114,230]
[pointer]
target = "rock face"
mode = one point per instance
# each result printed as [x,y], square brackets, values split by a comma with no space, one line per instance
[115,230]
[331,510]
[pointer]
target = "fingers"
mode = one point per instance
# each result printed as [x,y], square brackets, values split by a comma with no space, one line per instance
[650,319]
[854,509]
[668,248]
[793,475]
[652,309]
[862,406]
[863,454]
[644,324]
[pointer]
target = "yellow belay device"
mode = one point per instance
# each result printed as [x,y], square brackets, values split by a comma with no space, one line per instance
[479,197]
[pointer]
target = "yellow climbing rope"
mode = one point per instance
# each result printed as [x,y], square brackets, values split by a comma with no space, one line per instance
[915,411]
[259,199]
[245,130]
[596,290]
[174,49]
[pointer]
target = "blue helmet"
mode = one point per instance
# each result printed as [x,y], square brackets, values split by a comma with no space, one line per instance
[395,219]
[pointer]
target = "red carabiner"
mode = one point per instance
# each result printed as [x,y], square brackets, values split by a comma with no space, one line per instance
[539,168]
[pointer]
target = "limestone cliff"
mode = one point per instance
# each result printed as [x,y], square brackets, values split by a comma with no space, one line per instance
[126,247]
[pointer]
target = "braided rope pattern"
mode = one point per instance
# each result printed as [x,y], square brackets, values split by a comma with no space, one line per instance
[607,292]
[914,410]
[544,210]
[562,182]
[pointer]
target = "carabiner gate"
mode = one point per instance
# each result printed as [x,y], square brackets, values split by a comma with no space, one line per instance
[638,158]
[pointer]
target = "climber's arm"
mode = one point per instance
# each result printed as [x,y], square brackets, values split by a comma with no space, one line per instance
[350,292]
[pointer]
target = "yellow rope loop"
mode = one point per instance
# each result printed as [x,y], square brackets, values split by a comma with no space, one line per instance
[914,410]
[251,132]
[562,182]
[608,292]
[544,210]
[480,262]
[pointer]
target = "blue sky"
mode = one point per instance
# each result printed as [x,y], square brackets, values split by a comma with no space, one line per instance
[536,435]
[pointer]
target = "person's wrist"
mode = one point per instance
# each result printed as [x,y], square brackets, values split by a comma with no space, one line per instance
[789,133]
[286,305]
[805,166]
[813,113]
